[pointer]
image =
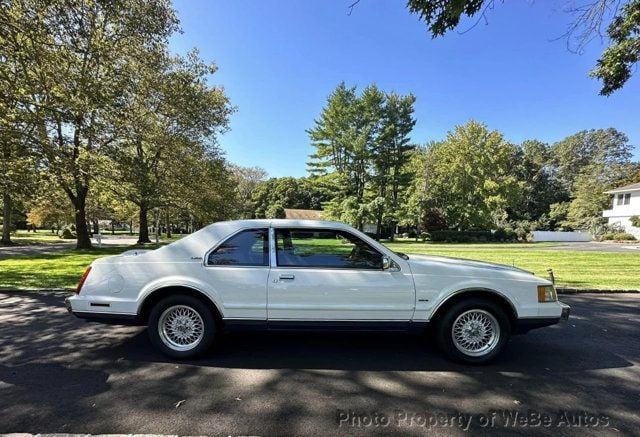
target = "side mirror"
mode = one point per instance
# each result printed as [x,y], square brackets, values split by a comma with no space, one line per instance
[386,263]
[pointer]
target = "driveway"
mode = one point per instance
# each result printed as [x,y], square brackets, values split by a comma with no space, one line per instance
[34,249]
[595,246]
[60,374]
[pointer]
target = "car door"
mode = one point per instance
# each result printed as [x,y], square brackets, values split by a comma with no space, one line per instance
[333,275]
[238,269]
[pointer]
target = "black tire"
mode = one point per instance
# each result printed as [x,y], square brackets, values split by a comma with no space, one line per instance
[161,340]
[444,330]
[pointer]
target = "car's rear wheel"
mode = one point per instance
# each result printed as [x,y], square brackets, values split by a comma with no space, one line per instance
[181,326]
[473,331]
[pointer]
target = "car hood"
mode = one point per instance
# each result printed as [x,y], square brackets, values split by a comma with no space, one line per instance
[426,263]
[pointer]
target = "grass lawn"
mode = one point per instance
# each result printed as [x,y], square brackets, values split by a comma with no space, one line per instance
[43,236]
[572,268]
[54,270]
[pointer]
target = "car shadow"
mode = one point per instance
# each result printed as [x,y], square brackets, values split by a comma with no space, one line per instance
[531,354]
[41,327]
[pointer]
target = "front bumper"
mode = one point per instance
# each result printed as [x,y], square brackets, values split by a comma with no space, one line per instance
[525,325]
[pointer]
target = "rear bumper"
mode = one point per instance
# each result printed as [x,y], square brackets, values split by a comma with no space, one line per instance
[527,324]
[106,318]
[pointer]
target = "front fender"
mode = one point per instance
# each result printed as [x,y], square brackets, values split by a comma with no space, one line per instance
[471,286]
[433,291]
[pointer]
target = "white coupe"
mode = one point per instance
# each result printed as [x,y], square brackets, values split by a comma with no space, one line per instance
[299,274]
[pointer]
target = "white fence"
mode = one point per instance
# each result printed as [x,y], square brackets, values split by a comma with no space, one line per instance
[561,236]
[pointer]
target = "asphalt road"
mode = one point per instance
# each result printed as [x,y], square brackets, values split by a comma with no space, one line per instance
[61,374]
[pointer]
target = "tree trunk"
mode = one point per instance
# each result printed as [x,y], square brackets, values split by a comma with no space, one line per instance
[168,225]
[96,226]
[143,236]
[6,219]
[112,230]
[130,227]
[82,230]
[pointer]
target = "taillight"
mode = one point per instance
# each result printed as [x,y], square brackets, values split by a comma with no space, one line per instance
[84,278]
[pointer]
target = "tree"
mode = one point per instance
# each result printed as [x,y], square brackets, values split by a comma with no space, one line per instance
[17,164]
[343,137]
[246,180]
[50,208]
[390,156]
[272,196]
[614,66]
[469,177]
[540,189]
[413,206]
[77,59]
[601,147]
[203,203]
[169,116]
[363,139]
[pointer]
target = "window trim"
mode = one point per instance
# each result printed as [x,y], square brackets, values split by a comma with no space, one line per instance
[274,248]
[205,259]
[620,199]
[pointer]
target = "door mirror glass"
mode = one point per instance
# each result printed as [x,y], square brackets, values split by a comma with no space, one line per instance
[389,264]
[386,262]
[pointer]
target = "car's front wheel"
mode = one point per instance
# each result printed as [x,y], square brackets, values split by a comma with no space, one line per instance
[181,326]
[473,331]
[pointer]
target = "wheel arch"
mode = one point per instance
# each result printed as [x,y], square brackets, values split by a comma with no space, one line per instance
[479,292]
[172,290]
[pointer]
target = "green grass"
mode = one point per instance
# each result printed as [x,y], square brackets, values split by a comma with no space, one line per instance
[571,268]
[55,270]
[43,236]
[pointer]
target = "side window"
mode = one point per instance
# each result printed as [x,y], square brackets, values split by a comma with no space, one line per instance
[246,248]
[627,198]
[324,248]
[620,198]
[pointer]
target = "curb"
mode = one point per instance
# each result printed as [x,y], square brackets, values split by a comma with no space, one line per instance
[563,290]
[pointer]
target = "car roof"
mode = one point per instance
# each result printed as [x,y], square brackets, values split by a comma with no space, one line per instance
[249,223]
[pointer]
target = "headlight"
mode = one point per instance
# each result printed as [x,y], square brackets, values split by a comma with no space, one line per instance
[547,293]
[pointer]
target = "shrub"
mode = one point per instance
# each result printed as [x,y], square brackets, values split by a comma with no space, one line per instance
[635,221]
[620,236]
[460,236]
[500,234]
[424,236]
[67,234]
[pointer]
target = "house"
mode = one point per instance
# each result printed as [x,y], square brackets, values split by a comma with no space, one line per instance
[302,214]
[626,204]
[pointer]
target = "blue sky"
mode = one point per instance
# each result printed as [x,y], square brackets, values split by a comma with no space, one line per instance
[278,61]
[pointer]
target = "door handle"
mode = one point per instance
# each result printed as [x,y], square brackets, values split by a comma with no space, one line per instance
[287,276]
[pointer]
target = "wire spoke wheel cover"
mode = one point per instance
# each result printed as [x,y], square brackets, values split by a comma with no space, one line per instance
[181,328]
[475,332]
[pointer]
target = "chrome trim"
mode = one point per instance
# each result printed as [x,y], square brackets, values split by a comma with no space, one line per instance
[272,247]
[464,290]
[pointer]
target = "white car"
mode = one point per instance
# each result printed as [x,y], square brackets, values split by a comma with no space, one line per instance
[299,274]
